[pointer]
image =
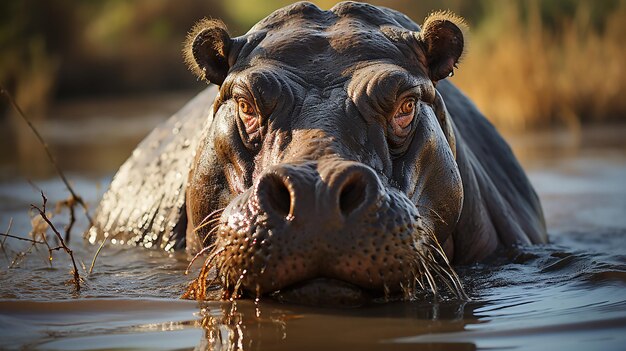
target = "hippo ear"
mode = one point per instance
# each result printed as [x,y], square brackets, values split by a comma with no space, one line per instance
[443,42]
[206,50]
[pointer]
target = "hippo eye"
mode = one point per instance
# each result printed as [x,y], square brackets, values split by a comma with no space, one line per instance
[403,117]
[408,106]
[248,115]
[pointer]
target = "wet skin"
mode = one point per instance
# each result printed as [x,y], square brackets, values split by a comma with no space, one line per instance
[334,161]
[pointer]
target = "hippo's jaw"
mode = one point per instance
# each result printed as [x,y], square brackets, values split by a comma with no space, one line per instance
[324,292]
[325,235]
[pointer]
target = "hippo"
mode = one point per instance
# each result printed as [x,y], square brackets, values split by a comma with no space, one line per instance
[329,158]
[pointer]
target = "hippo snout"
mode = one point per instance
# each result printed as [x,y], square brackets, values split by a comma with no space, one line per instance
[332,223]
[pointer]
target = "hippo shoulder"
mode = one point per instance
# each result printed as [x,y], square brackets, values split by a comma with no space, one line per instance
[500,206]
[145,204]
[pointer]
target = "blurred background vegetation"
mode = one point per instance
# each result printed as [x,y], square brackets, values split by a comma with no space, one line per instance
[530,64]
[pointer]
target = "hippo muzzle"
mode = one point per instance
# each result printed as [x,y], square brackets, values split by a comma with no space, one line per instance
[325,232]
[329,219]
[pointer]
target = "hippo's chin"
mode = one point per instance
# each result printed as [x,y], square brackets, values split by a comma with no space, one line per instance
[324,292]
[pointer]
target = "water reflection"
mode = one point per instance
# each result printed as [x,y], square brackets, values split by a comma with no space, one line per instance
[246,325]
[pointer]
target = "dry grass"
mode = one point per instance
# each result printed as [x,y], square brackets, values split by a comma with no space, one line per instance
[523,75]
[522,72]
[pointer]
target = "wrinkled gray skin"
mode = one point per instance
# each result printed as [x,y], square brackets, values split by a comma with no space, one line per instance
[325,188]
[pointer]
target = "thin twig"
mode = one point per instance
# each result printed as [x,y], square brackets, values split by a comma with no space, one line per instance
[17,108]
[34,186]
[69,226]
[6,255]
[6,235]
[4,239]
[82,264]
[95,256]
[42,212]
[45,240]
[21,255]
[69,203]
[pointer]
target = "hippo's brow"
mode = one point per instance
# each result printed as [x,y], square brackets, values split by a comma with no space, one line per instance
[375,89]
[382,78]
[270,67]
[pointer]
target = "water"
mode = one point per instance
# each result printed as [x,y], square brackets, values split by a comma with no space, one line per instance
[569,294]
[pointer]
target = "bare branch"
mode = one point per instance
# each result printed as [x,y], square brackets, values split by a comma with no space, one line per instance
[75,197]
[42,213]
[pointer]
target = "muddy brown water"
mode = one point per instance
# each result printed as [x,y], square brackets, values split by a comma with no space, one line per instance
[567,295]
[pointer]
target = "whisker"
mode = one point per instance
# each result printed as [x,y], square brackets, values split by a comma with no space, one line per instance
[443,275]
[210,222]
[448,269]
[420,280]
[460,292]
[219,266]
[208,217]
[454,278]
[220,272]
[238,284]
[435,213]
[198,288]
[386,291]
[227,294]
[205,219]
[439,251]
[430,279]
[418,274]
[211,232]
[212,255]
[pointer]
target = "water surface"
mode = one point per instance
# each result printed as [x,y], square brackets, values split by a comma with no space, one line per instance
[568,294]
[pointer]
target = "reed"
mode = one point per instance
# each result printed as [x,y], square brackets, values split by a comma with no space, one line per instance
[525,74]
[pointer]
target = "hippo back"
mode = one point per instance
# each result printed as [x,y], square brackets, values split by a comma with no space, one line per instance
[145,204]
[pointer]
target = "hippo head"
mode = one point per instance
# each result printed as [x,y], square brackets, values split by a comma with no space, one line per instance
[327,169]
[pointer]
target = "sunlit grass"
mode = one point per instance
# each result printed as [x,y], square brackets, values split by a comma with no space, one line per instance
[522,75]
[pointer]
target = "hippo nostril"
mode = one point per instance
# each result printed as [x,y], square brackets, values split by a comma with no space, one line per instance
[352,194]
[274,195]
